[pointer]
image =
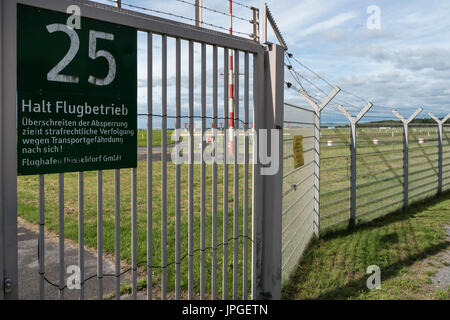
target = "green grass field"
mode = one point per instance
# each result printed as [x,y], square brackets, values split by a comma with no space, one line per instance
[405,245]
[376,196]
[156,138]
[379,171]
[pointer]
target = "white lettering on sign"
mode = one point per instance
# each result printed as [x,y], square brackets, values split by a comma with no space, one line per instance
[54,75]
[93,54]
[79,110]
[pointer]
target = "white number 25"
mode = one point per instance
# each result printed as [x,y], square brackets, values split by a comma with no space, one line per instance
[54,74]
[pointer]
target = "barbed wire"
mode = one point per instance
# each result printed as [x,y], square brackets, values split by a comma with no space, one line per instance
[225,119]
[241,4]
[213,10]
[144,262]
[327,82]
[290,55]
[304,77]
[298,74]
[330,84]
[178,16]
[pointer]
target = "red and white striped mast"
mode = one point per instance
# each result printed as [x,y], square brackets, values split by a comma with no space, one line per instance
[231,85]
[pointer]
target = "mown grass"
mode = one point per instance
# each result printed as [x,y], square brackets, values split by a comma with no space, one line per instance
[379,179]
[379,170]
[400,243]
[156,138]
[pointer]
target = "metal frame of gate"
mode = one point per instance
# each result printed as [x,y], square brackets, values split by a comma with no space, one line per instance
[268,114]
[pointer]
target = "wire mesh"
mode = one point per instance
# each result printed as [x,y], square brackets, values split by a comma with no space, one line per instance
[423,161]
[335,173]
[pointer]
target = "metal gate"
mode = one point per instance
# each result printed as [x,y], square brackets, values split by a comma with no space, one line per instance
[241,247]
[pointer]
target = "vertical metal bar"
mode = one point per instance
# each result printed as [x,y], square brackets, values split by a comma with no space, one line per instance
[81,231]
[225,179]
[352,219]
[264,24]
[41,237]
[203,178]
[246,158]
[149,164]
[405,153]
[100,233]
[273,177]
[117,231]
[164,172]
[440,157]
[2,242]
[405,165]
[317,124]
[257,187]
[8,154]
[198,13]
[236,179]
[178,174]
[134,232]
[191,173]
[61,236]
[214,180]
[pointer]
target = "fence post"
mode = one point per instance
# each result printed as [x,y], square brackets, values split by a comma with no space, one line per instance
[316,218]
[8,145]
[353,122]
[317,132]
[198,13]
[2,279]
[440,147]
[257,194]
[270,189]
[255,23]
[406,123]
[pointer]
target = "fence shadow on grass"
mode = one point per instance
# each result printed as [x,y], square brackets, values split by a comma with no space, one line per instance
[392,235]
[388,218]
[355,288]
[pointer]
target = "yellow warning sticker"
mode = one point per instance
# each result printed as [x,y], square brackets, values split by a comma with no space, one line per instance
[299,160]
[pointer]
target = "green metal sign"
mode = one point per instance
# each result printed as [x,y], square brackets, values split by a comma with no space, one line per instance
[77,94]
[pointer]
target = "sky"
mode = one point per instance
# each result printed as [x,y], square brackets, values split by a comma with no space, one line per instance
[400,60]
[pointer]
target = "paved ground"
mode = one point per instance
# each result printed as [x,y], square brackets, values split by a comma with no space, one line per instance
[29,266]
[442,276]
[156,155]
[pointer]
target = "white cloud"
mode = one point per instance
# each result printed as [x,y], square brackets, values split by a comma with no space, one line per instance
[405,64]
[330,23]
